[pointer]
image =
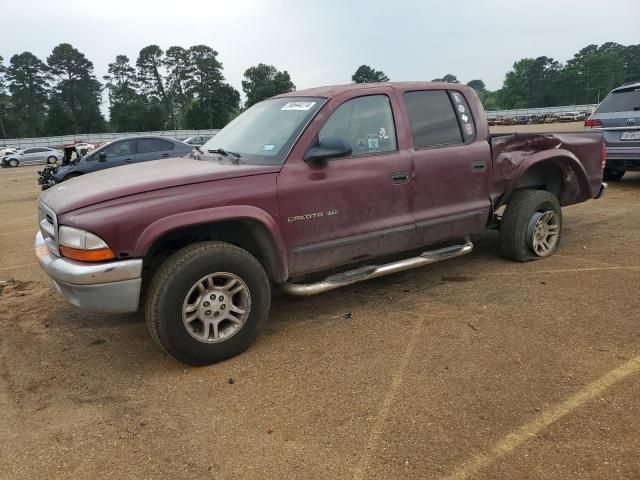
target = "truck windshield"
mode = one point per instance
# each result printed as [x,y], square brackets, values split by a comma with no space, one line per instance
[621,101]
[264,134]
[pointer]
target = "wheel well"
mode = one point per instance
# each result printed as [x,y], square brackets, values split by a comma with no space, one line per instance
[555,176]
[250,235]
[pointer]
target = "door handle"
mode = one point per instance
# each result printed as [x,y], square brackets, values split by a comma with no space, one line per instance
[479,166]
[128,160]
[164,155]
[399,178]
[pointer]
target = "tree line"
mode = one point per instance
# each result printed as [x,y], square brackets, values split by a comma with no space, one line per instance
[544,82]
[173,89]
[185,88]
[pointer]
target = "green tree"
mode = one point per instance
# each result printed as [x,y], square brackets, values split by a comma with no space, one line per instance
[180,68]
[477,85]
[214,101]
[76,97]
[531,83]
[4,97]
[152,83]
[264,81]
[28,83]
[448,78]
[366,74]
[631,57]
[592,73]
[127,109]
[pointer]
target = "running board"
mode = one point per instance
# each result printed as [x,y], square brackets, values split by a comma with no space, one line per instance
[372,271]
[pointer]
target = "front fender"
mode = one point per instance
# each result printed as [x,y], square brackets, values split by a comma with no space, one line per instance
[164,225]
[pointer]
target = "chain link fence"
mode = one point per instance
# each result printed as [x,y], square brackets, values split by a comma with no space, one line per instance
[59,141]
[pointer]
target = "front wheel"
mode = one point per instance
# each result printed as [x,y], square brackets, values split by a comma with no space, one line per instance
[206,302]
[51,160]
[612,174]
[13,162]
[531,226]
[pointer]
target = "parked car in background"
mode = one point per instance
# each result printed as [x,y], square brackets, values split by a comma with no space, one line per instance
[198,140]
[565,117]
[31,156]
[113,154]
[618,116]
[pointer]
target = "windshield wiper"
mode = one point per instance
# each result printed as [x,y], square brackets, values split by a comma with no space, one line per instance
[226,153]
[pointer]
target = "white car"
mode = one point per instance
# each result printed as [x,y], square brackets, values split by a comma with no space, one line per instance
[30,156]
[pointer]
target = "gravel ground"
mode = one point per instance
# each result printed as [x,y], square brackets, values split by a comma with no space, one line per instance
[472,368]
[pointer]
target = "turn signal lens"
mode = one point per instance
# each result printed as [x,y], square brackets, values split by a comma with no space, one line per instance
[87,255]
[82,245]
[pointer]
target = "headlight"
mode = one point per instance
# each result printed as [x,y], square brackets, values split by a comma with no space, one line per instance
[82,245]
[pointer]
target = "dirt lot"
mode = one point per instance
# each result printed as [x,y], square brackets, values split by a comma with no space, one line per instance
[472,368]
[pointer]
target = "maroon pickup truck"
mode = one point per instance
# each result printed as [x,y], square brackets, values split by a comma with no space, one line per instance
[308,191]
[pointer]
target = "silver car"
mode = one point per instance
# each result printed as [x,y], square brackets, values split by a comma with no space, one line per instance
[619,118]
[32,156]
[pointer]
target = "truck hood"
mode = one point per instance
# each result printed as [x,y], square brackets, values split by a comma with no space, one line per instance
[143,177]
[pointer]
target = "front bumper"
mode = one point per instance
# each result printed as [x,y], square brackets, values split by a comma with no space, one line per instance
[107,287]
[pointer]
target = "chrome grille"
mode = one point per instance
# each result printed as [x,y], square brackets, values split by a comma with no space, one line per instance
[48,223]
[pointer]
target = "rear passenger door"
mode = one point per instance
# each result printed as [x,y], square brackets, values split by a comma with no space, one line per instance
[451,166]
[153,149]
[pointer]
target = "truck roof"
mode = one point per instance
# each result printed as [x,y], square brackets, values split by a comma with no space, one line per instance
[335,90]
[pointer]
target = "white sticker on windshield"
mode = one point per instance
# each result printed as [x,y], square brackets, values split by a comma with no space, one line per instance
[268,147]
[298,106]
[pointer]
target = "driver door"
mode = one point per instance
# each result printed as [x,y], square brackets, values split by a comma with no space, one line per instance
[345,210]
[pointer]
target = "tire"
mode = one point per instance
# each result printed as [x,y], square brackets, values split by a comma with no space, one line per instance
[13,162]
[612,174]
[174,290]
[51,160]
[522,231]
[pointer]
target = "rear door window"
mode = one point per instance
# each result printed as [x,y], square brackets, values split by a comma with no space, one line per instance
[625,100]
[365,122]
[166,145]
[150,145]
[433,119]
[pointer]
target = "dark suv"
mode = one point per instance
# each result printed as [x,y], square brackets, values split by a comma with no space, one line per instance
[113,154]
[619,117]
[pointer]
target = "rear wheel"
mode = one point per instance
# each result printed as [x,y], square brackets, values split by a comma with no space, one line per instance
[531,226]
[612,174]
[51,160]
[206,302]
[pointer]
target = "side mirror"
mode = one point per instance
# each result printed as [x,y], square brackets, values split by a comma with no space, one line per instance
[329,147]
[102,157]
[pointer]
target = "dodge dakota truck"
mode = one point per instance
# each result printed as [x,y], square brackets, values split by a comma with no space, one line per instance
[306,192]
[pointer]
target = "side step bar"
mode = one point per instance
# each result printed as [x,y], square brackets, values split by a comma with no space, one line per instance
[372,271]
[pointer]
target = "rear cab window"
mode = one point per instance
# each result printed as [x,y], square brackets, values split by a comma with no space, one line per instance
[624,100]
[439,118]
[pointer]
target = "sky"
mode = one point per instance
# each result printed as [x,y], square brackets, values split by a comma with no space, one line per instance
[324,41]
